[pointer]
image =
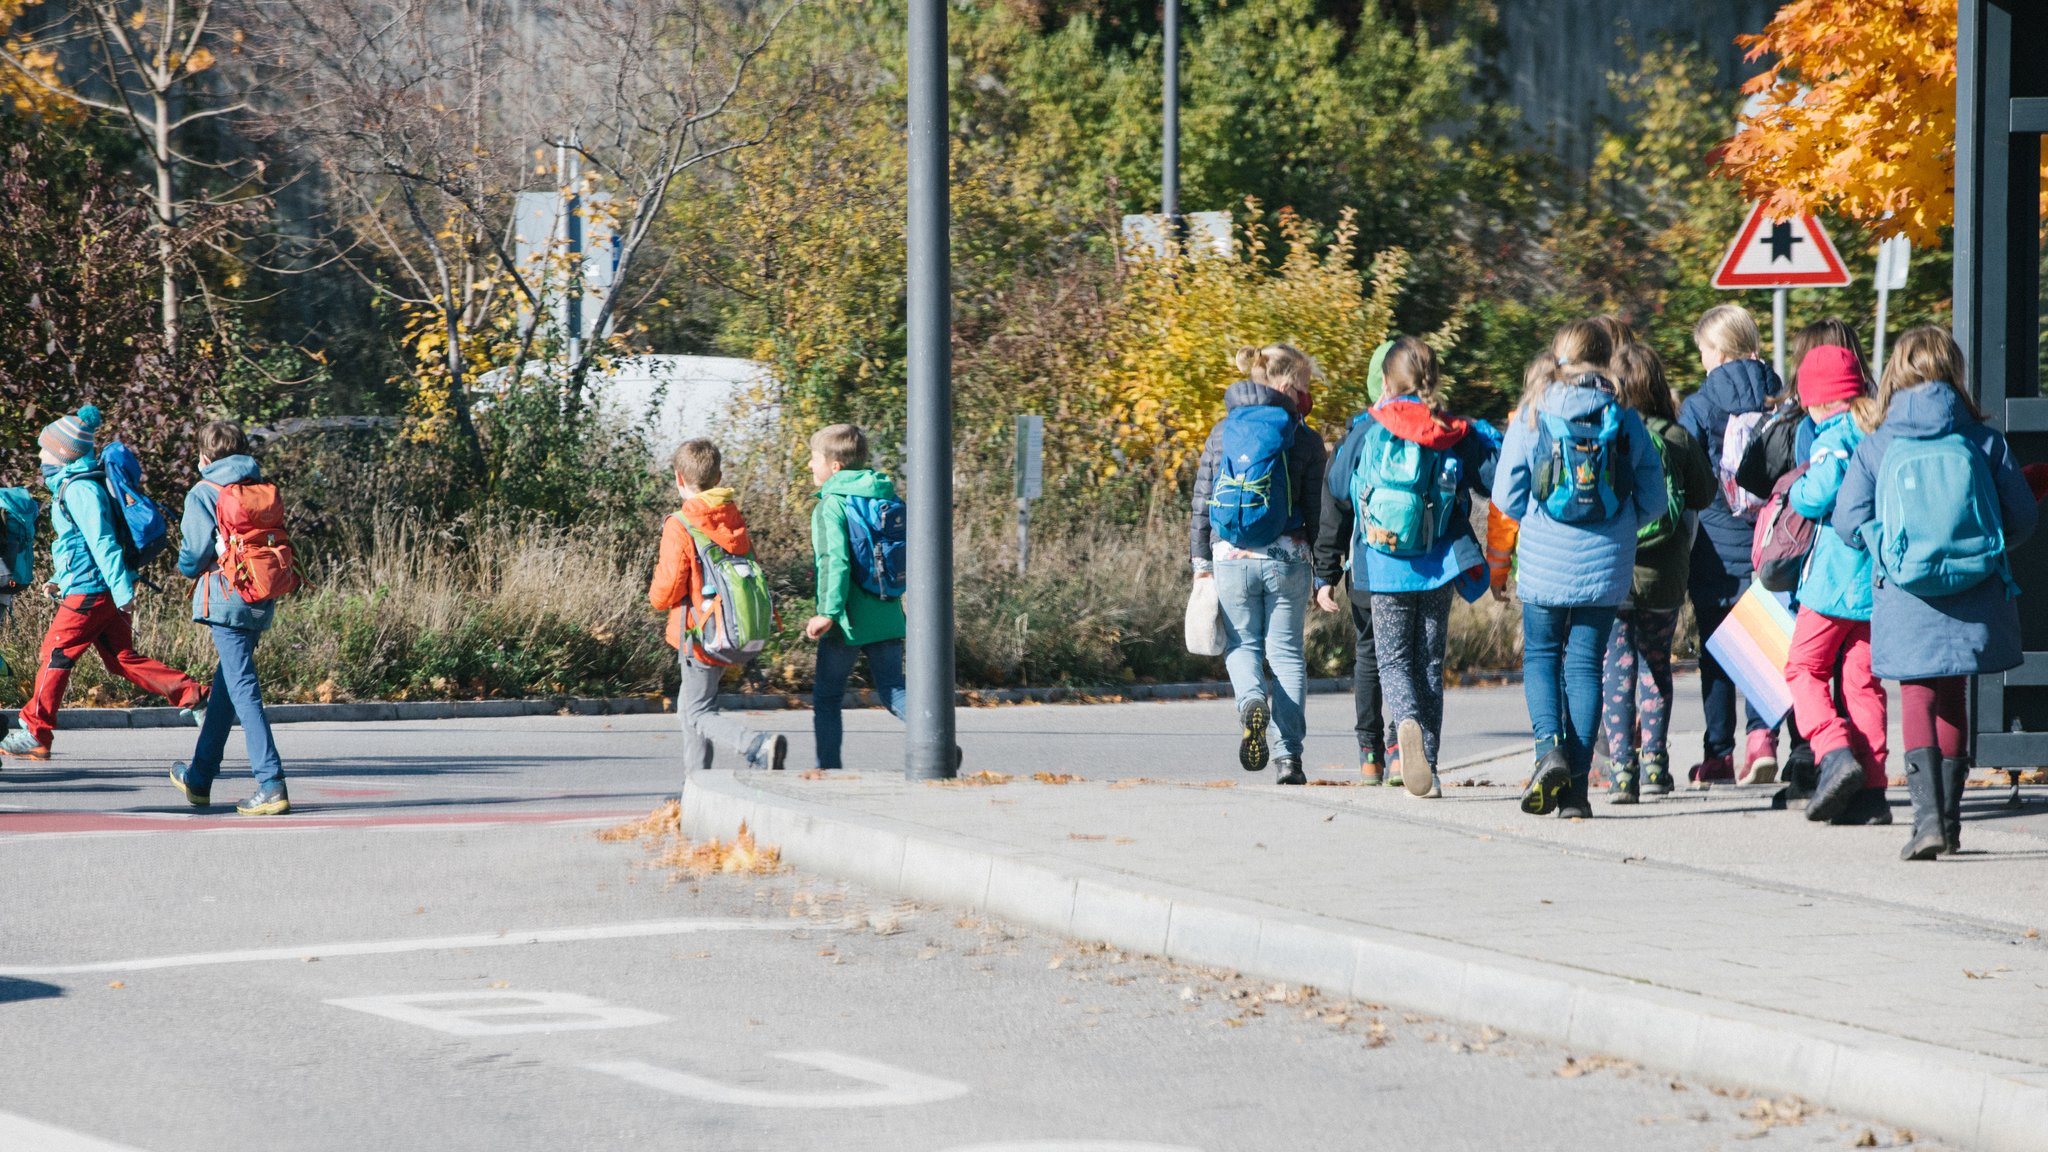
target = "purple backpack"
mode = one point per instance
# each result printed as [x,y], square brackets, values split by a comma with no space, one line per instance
[1783,538]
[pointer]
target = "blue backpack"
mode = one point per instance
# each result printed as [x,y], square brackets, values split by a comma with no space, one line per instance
[139,523]
[1252,501]
[1938,528]
[1582,473]
[18,514]
[1405,494]
[876,531]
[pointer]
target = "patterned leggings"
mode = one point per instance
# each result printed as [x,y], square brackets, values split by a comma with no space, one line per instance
[1637,685]
[1409,632]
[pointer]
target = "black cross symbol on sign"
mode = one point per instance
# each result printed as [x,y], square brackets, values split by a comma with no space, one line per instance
[1781,241]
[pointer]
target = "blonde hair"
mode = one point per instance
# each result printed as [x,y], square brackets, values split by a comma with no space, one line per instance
[1282,367]
[1730,330]
[1619,334]
[842,444]
[1579,348]
[1535,378]
[1925,355]
[1410,369]
[698,463]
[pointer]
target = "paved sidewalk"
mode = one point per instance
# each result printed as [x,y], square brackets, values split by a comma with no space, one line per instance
[1701,933]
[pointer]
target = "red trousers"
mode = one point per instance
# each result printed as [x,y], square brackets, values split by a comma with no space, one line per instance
[1821,645]
[93,622]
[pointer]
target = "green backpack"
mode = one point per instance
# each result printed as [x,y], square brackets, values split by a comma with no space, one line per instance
[734,616]
[1668,526]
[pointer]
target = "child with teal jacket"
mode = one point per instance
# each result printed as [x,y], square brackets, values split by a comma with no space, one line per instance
[1832,630]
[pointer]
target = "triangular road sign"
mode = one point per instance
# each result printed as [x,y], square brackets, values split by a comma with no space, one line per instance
[1793,253]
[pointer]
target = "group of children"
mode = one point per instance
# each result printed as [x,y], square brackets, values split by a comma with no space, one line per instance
[1611,505]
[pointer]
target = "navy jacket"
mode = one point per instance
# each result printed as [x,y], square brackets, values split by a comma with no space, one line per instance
[1734,388]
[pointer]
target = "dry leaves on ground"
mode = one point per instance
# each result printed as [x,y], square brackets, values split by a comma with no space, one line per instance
[1056,778]
[979,779]
[1786,1111]
[1576,1066]
[821,774]
[662,831]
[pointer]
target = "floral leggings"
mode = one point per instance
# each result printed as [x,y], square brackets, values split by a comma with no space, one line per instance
[1637,686]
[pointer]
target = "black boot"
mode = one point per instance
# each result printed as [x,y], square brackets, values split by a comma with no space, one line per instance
[1547,785]
[1955,776]
[1923,780]
[1841,778]
[1577,803]
[1866,807]
[1287,770]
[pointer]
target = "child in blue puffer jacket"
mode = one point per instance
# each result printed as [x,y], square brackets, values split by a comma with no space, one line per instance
[1573,573]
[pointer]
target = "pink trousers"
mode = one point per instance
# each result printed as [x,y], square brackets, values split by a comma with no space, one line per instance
[1821,645]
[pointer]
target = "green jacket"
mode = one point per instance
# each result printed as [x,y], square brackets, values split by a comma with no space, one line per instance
[1662,572]
[863,618]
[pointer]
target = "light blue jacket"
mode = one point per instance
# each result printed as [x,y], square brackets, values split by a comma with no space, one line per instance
[1836,579]
[1561,565]
[86,553]
[213,602]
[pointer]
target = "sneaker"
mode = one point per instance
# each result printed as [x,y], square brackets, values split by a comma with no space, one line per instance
[1760,764]
[774,752]
[1713,770]
[1547,784]
[1657,775]
[1287,770]
[1419,775]
[269,800]
[1628,785]
[196,714]
[20,743]
[1251,750]
[1370,770]
[1867,806]
[196,797]
[1575,803]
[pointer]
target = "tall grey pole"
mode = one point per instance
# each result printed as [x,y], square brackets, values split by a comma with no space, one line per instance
[928,752]
[1778,332]
[1169,175]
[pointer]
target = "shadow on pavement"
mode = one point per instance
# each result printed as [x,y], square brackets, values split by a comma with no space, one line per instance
[13,989]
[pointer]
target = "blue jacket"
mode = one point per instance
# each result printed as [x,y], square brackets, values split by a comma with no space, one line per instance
[1477,452]
[1737,387]
[213,602]
[1305,462]
[1836,579]
[1561,565]
[1974,631]
[86,554]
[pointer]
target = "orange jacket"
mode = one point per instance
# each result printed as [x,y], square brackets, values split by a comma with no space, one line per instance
[677,588]
[1502,534]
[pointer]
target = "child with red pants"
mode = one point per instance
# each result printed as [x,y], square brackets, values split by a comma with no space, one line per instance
[1833,628]
[1942,609]
[95,588]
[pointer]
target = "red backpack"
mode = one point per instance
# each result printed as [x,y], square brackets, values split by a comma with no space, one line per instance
[1783,538]
[255,550]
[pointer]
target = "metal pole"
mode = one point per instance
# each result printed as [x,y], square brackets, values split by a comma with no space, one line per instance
[1169,175]
[928,751]
[1023,535]
[1778,332]
[1884,299]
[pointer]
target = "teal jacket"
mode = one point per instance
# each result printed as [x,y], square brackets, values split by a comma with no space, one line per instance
[1836,580]
[86,554]
[213,602]
[862,617]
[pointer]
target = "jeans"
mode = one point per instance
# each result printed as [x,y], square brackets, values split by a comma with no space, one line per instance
[1714,594]
[1365,682]
[828,689]
[1821,645]
[1637,715]
[1413,629]
[1265,611]
[1563,652]
[237,695]
[703,724]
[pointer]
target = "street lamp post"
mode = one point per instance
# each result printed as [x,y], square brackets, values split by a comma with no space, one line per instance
[1169,175]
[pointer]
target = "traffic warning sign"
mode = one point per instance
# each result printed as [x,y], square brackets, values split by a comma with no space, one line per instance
[1793,253]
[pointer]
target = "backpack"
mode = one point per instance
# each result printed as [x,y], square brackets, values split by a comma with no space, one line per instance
[734,615]
[1405,494]
[1736,438]
[876,531]
[1252,501]
[18,513]
[1772,452]
[255,551]
[1666,527]
[1783,538]
[1939,529]
[1582,475]
[139,523]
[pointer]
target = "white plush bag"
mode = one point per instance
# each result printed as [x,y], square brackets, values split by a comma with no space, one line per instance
[1205,619]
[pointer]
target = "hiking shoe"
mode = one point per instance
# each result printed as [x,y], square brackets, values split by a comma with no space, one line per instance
[1418,774]
[1657,776]
[1628,785]
[1370,770]
[1251,751]
[774,752]
[1287,770]
[1867,806]
[1760,762]
[1713,770]
[196,714]
[195,796]
[269,800]
[1548,784]
[1575,804]
[1841,778]
[20,743]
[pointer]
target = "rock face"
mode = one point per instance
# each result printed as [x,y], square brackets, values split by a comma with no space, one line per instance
[1554,56]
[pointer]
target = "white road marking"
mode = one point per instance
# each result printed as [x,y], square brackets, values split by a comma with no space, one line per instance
[1073,1146]
[505,939]
[21,1134]
[493,1012]
[895,1086]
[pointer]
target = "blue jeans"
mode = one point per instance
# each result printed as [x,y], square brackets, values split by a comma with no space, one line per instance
[828,688]
[1265,612]
[1564,652]
[236,696]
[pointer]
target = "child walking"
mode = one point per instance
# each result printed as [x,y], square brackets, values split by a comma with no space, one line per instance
[1637,714]
[94,588]
[1410,478]
[1257,504]
[1942,609]
[1579,473]
[705,529]
[860,611]
[237,626]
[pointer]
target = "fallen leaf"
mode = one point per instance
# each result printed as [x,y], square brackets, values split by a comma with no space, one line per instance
[1056,961]
[501,983]
[1865,1139]
[1056,778]
[927,953]
[115,984]
[2031,934]
[1977,975]
[1085,836]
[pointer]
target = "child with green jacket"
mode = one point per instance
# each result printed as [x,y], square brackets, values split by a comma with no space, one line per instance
[852,620]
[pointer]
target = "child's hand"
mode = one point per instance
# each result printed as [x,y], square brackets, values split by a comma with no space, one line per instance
[817,626]
[1326,598]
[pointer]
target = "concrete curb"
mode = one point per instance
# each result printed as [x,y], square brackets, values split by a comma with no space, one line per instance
[1963,1098]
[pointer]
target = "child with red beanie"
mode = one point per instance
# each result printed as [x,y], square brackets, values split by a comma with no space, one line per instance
[1833,626]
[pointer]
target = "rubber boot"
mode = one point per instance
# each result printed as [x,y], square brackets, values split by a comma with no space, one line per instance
[1923,781]
[1955,776]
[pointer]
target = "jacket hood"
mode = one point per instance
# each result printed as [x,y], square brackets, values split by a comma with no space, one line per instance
[1925,411]
[1579,397]
[1246,394]
[1412,420]
[231,470]
[1742,386]
[717,515]
[76,468]
[859,482]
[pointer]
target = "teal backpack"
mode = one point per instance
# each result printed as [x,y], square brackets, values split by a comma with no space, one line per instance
[1938,528]
[1405,494]
[18,514]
